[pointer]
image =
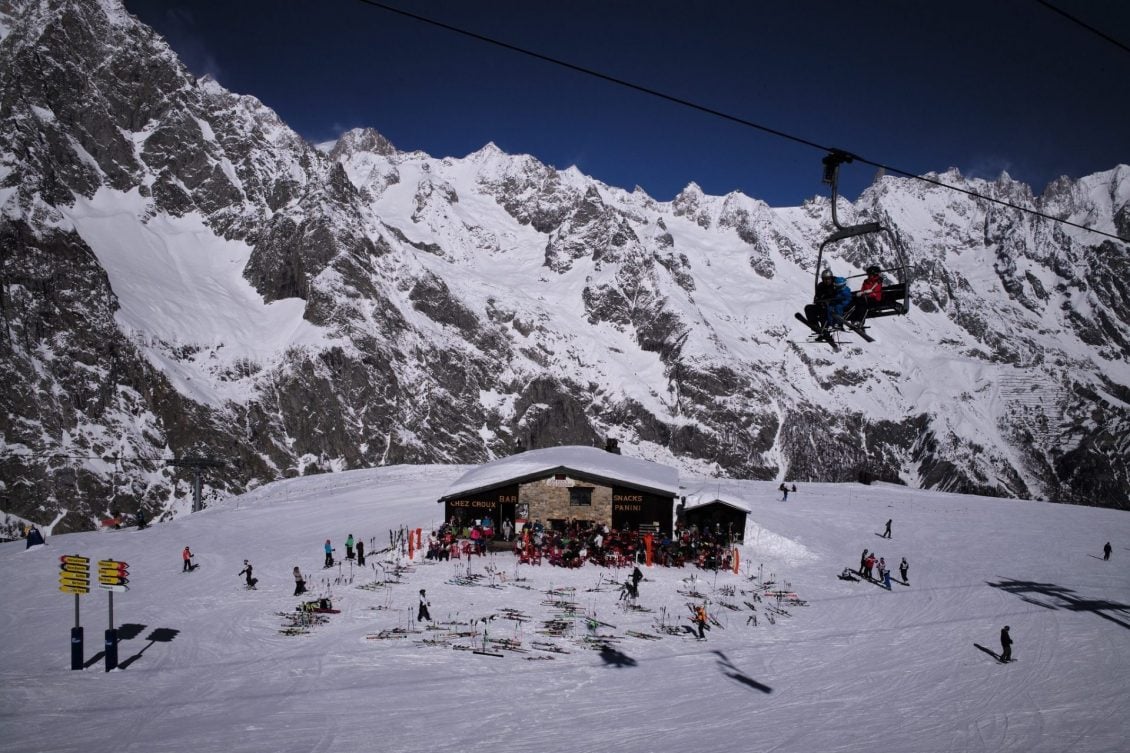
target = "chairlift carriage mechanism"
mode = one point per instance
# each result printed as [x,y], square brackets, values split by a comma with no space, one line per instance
[895,300]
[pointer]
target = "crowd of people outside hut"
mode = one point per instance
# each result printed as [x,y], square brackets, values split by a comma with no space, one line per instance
[576,542]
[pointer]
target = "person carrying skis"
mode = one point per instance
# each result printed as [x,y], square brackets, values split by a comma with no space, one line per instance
[700,619]
[329,548]
[1006,645]
[299,582]
[904,568]
[186,555]
[423,613]
[247,571]
[349,547]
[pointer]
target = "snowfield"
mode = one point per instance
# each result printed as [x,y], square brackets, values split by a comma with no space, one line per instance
[858,668]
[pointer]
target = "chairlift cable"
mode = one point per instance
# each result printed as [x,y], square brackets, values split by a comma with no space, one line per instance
[1085,25]
[726,116]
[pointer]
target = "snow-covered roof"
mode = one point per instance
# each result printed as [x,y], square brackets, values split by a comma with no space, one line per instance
[590,462]
[700,500]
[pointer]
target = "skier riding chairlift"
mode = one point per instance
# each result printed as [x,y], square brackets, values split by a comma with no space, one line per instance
[894,301]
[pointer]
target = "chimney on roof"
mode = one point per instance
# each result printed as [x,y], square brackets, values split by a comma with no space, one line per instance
[612,445]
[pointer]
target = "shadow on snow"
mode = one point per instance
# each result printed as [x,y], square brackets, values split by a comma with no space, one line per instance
[1064,598]
[734,673]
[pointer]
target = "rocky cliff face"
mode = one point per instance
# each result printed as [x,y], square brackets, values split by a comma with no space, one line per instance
[369,306]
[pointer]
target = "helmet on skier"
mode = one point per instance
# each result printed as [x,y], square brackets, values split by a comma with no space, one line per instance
[873,270]
[826,274]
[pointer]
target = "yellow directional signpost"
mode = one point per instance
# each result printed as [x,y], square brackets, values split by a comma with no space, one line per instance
[74,578]
[112,576]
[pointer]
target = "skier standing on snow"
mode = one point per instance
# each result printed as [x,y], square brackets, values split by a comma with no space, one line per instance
[360,553]
[887,532]
[423,613]
[863,563]
[784,490]
[1106,551]
[186,555]
[904,567]
[299,582]
[349,547]
[1006,645]
[329,553]
[869,565]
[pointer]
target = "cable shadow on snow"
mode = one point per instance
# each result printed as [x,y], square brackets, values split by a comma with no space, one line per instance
[1065,598]
[159,635]
[734,673]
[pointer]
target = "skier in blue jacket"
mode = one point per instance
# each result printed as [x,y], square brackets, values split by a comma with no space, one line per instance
[833,296]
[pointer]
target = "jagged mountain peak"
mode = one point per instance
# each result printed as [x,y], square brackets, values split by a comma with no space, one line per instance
[361,140]
[186,275]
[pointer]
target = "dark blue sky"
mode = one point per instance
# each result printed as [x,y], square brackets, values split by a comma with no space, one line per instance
[981,85]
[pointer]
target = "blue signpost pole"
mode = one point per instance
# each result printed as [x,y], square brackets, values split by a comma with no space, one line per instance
[76,641]
[111,639]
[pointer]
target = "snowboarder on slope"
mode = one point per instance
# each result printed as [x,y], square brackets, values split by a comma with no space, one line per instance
[423,613]
[1006,645]
[247,571]
[1106,551]
[904,567]
[887,531]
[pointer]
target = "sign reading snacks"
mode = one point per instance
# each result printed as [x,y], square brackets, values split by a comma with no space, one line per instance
[74,574]
[113,575]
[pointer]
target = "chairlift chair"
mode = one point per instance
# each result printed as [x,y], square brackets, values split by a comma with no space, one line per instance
[895,299]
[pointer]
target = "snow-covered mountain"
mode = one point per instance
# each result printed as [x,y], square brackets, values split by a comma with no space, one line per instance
[183,275]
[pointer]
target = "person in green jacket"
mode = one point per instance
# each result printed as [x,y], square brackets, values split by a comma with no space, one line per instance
[349,547]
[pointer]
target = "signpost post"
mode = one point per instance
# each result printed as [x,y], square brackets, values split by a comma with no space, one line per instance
[74,578]
[112,576]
